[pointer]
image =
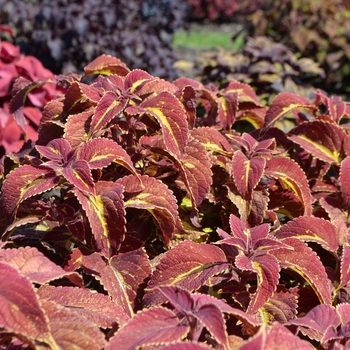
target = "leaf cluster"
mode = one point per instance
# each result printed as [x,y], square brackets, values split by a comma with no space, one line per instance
[265,65]
[144,217]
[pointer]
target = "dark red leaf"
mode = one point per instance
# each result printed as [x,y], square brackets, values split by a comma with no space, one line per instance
[36,267]
[188,265]
[104,209]
[106,65]
[344,182]
[20,311]
[96,307]
[150,326]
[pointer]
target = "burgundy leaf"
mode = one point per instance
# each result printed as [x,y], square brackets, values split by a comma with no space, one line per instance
[155,197]
[188,98]
[246,172]
[106,65]
[344,182]
[79,175]
[188,265]
[171,116]
[266,268]
[77,128]
[36,267]
[104,209]
[284,103]
[310,229]
[344,313]
[326,141]
[344,266]
[96,307]
[20,311]
[281,307]
[195,172]
[212,140]
[109,106]
[211,317]
[291,177]
[182,345]
[305,262]
[180,299]
[135,80]
[24,182]
[57,150]
[150,326]
[315,323]
[69,330]
[100,152]
[121,277]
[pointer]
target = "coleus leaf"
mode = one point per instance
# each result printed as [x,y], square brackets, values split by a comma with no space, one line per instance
[344,182]
[344,266]
[284,103]
[207,314]
[291,177]
[188,98]
[104,209]
[109,106]
[24,182]
[266,268]
[310,229]
[69,330]
[155,197]
[212,140]
[315,323]
[275,338]
[184,345]
[100,152]
[36,267]
[306,263]
[20,311]
[96,307]
[246,172]
[196,173]
[150,326]
[171,116]
[106,65]
[188,265]
[121,276]
[325,141]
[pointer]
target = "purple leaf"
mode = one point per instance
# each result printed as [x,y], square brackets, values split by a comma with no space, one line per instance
[20,311]
[104,209]
[150,326]
[96,307]
[36,267]
[188,265]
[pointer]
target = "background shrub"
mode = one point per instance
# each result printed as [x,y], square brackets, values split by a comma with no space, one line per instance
[66,35]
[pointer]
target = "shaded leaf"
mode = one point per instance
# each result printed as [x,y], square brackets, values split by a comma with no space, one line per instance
[284,103]
[325,141]
[188,265]
[183,345]
[170,114]
[292,178]
[306,263]
[150,326]
[344,182]
[154,197]
[315,323]
[345,266]
[36,267]
[266,268]
[104,209]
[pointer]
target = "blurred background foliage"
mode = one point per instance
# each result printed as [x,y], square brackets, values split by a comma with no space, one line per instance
[274,45]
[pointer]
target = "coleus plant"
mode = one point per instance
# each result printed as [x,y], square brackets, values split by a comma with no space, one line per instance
[143,217]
